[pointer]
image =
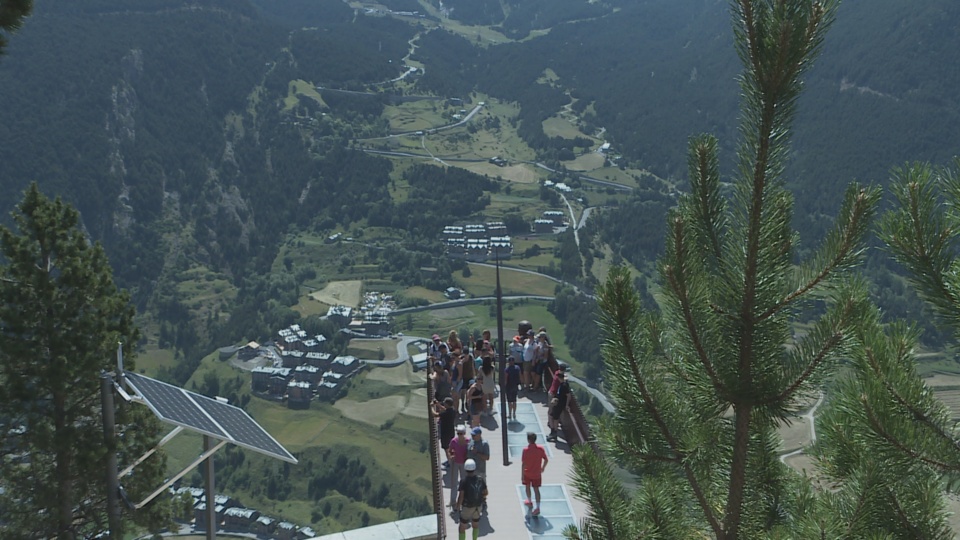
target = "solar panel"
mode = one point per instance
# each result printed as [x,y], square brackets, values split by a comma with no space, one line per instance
[204,415]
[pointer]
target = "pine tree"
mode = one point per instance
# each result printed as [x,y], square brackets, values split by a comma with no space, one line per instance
[61,317]
[12,13]
[702,388]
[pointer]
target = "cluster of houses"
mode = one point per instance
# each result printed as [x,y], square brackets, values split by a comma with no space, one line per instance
[231,516]
[551,219]
[372,319]
[559,186]
[304,370]
[478,241]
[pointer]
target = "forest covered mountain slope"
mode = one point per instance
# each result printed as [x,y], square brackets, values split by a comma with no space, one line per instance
[119,110]
[657,72]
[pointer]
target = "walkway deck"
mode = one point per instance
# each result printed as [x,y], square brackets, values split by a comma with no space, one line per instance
[506,516]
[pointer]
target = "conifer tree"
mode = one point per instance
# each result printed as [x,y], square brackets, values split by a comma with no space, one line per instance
[61,317]
[702,388]
[12,13]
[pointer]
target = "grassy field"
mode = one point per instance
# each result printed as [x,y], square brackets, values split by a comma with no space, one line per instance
[370,349]
[151,360]
[422,293]
[346,293]
[589,162]
[482,282]
[556,126]
[415,115]
[299,88]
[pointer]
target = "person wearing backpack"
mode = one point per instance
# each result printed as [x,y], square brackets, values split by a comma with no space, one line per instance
[472,492]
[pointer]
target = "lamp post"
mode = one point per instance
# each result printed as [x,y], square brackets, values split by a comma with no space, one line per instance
[501,353]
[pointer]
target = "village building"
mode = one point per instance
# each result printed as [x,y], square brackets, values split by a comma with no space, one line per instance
[328,390]
[478,242]
[240,519]
[345,365]
[285,531]
[501,247]
[299,394]
[263,375]
[307,373]
[292,358]
[249,351]
[555,216]
[541,226]
[453,293]
[340,315]
[318,359]
[264,526]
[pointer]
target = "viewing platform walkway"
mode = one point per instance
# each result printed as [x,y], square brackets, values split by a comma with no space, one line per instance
[507,517]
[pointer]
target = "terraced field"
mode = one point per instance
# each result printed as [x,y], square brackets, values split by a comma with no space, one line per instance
[947,389]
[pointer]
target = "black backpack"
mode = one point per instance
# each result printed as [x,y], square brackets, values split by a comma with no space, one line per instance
[473,491]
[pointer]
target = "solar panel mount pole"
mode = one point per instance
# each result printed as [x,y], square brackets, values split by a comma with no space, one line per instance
[110,441]
[210,489]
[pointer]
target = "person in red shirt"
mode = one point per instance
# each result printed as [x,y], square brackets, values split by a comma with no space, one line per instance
[534,462]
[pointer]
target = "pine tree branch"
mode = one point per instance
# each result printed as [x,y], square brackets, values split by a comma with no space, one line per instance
[878,429]
[849,241]
[917,414]
[904,519]
[861,503]
[622,325]
[678,284]
[825,351]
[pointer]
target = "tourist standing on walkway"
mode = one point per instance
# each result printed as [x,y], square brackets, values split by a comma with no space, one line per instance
[489,386]
[540,360]
[442,386]
[471,493]
[529,355]
[456,381]
[555,385]
[468,373]
[479,451]
[533,463]
[474,397]
[558,405]
[447,416]
[434,348]
[453,343]
[511,386]
[457,454]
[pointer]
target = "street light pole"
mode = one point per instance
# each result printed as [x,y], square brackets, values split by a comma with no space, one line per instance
[503,366]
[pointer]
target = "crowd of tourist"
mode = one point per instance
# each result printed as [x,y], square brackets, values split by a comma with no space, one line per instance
[465,381]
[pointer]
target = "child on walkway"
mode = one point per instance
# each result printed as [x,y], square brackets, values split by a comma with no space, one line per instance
[534,462]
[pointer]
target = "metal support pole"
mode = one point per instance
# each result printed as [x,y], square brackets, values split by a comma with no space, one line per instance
[208,444]
[110,442]
[503,367]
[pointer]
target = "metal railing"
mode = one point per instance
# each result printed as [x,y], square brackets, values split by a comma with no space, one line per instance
[435,474]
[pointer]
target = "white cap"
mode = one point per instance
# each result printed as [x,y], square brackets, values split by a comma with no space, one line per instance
[470,465]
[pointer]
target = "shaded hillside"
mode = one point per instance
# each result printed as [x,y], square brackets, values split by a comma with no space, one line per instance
[657,72]
[167,116]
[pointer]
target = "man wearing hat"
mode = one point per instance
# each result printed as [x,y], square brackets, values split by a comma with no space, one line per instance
[434,348]
[470,496]
[479,451]
[511,385]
